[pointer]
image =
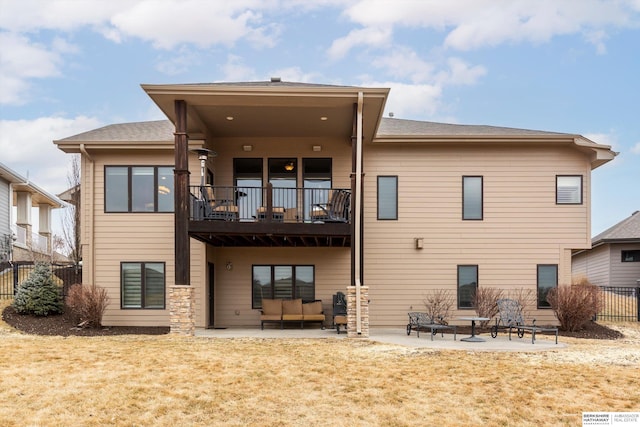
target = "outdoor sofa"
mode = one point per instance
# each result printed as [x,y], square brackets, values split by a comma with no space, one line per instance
[294,310]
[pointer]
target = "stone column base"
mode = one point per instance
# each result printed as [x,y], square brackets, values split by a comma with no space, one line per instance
[181,310]
[352,324]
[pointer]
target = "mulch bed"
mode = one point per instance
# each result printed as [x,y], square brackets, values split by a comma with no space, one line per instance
[64,325]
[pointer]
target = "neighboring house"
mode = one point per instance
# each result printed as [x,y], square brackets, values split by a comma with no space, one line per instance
[614,257]
[18,242]
[409,206]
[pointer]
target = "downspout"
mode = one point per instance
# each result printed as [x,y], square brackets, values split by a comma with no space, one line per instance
[89,197]
[357,214]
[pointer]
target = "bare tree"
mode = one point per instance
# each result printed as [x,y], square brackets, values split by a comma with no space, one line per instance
[71,216]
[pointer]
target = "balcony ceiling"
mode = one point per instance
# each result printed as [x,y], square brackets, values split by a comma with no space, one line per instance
[287,111]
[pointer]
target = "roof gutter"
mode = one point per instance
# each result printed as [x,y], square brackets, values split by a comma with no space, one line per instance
[357,214]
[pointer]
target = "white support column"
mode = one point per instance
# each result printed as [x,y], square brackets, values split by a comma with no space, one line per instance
[44,224]
[23,216]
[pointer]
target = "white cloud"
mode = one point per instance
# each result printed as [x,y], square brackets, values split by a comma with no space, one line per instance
[377,37]
[235,70]
[472,24]
[22,60]
[460,73]
[295,74]
[411,101]
[204,23]
[27,147]
[636,148]
[178,61]
[404,63]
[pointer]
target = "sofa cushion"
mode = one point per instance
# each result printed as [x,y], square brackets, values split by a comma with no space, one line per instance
[312,308]
[271,307]
[293,306]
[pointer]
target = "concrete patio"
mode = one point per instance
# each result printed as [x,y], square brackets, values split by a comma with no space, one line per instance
[398,336]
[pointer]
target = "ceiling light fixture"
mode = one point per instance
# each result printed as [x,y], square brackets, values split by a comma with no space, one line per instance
[229,118]
[289,166]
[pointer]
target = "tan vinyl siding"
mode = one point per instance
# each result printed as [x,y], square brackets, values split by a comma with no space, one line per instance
[522,226]
[233,288]
[135,237]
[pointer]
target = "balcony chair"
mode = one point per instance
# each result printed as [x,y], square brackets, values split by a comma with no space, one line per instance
[224,210]
[335,210]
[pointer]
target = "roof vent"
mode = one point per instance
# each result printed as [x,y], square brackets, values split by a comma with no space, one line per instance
[276,79]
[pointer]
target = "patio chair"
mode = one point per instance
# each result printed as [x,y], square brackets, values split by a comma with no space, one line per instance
[339,311]
[335,210]
[510,316]
[419,320]
[217,209]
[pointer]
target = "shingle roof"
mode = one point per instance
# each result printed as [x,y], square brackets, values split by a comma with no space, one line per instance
[626,229]
[270,84]
[399,127]
[160,130]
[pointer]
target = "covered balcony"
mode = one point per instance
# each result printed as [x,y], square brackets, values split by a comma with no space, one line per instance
[270,216]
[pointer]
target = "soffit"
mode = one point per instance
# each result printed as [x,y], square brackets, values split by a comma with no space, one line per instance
[273,111]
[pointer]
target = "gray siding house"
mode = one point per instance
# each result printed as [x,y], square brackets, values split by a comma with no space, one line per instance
[614,259]
[18,242]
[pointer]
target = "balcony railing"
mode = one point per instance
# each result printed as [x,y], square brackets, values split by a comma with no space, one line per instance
[270,204]
[35,242]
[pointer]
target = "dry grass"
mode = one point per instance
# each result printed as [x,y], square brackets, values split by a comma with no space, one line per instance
[173,381]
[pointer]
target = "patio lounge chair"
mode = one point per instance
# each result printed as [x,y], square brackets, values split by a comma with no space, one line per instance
[510,317]
[418,320]
[217,209]
[335,210]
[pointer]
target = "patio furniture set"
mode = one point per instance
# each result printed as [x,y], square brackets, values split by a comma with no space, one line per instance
[510,317]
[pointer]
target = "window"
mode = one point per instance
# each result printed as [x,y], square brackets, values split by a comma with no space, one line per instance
[142,285]
[472,197]
[283,175]
[387,197]
[138,189]
[547,280]
[247,175]
[569,189]
[316,177]
[467,285]
[282,281]
[631,256]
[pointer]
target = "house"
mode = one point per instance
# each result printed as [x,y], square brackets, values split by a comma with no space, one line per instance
[18,241]
[614,256]
[277,189]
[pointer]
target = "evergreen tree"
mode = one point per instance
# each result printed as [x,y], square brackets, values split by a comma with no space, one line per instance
[38,294]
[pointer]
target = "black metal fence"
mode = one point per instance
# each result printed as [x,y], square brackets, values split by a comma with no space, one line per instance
[621,304]
[13,274]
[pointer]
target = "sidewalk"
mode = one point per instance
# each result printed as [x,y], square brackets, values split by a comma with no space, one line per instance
[398,336]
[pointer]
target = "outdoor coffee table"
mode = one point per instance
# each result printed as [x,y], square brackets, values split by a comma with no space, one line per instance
[473,337]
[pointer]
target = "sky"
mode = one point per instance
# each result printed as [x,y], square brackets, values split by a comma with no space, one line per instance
[69,66]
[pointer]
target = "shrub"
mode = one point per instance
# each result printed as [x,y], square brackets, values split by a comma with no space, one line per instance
[575,305]
[87,304]
[438,304]
[484,300]
[38,294]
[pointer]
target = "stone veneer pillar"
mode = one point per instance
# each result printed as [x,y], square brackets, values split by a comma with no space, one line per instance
[181,310]
[352,330]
